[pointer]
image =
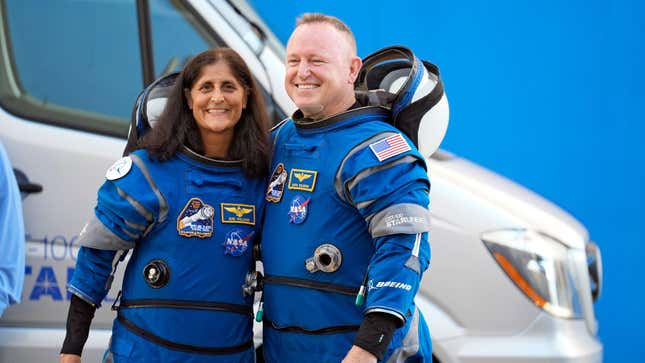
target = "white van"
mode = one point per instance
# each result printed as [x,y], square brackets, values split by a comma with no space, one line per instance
[512,276]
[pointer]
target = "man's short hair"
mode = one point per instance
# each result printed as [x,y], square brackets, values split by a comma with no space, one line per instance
[312,18]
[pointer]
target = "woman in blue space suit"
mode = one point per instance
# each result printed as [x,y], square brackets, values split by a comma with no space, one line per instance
[187,203]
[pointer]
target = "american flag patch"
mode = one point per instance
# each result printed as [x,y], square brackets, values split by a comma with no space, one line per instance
[391,146]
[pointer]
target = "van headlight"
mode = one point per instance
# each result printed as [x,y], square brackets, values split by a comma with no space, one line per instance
[545,269]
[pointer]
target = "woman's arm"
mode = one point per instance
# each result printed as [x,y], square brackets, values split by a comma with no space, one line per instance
[79,318]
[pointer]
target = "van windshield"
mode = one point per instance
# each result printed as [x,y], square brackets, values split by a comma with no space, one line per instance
[247,11]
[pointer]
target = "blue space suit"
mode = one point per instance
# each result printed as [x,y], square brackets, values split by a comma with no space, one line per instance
[348,207]
[190,222]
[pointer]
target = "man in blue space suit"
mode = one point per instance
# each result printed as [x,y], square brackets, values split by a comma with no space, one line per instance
[345,237]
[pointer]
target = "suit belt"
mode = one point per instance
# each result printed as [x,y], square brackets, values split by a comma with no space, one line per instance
[310,284]
[184,304]
[183,347]
[336,329]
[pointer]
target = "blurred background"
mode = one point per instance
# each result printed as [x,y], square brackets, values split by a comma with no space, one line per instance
[547,93]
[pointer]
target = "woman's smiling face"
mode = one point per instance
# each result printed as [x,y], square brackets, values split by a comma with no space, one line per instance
[217,100]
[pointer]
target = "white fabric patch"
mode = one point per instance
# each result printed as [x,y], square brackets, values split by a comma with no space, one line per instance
[399,219]
[404,218]
[119,169]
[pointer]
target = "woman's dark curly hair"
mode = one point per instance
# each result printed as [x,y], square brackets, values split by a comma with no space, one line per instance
[177,126]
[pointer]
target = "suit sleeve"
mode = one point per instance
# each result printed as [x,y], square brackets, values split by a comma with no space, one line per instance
[127,209]
[392,195]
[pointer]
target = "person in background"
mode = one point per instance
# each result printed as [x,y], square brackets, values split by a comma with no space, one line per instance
[12,236]
[187,203]
[351,219]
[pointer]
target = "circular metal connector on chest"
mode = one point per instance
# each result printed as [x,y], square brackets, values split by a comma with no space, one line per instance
[326,258]
[156,273]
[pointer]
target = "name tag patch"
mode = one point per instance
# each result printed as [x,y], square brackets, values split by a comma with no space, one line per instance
[238,213]
[301,179]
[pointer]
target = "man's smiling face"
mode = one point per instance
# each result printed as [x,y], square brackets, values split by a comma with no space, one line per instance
[320,74]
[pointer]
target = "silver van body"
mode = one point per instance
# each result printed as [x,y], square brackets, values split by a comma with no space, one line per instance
[511,277]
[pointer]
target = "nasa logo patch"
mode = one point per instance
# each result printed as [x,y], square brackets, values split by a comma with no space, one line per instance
[298,209]
[196,219]
[119,169]
[237,242]
[276,184]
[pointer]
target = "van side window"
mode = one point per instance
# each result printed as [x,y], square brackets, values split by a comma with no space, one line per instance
[71,63]
[176,36]
[78,64]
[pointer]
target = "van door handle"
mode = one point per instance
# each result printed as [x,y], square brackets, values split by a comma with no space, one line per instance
[24,184]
